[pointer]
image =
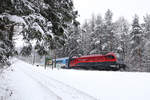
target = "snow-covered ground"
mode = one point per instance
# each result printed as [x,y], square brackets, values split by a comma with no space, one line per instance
[23,81]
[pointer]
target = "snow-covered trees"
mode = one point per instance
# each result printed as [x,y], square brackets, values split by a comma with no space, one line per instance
[146,46]
[72,46]
[7,24]
[136,46]
[48,25]
[96,36]
[122,36]
[130,41]
[100,34]
[86,38]
[44,22]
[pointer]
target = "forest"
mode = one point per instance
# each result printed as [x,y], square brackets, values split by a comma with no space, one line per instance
[50,28]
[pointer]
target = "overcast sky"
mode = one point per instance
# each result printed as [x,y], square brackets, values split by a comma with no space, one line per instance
[126,8]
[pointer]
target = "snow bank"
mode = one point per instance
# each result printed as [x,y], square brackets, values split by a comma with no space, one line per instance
[102,85]
[5,89]
[107,85]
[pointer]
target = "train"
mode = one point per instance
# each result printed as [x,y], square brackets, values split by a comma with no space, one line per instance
[61,62]
[99,62]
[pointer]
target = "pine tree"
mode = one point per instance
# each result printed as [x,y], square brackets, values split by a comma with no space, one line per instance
[86,37]
[72,46]
[109,35]
[136,45]
[122,31]
[6,40]
[97,36]
[146,51]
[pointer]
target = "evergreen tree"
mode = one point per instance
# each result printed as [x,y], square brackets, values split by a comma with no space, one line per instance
[122,31]
[92,22]
[136,47]
[97,36]
[109,35]
[6,39]
[72,46]
[146,51]
[86,38]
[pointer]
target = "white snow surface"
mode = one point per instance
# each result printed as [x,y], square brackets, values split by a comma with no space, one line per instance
[16,19]
[28,82]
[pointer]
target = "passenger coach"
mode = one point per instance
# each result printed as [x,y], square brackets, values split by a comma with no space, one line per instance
[61,62]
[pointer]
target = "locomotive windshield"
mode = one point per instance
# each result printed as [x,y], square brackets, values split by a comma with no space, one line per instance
[110,56]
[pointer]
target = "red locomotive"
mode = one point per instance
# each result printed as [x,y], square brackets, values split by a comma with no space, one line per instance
[100,62]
